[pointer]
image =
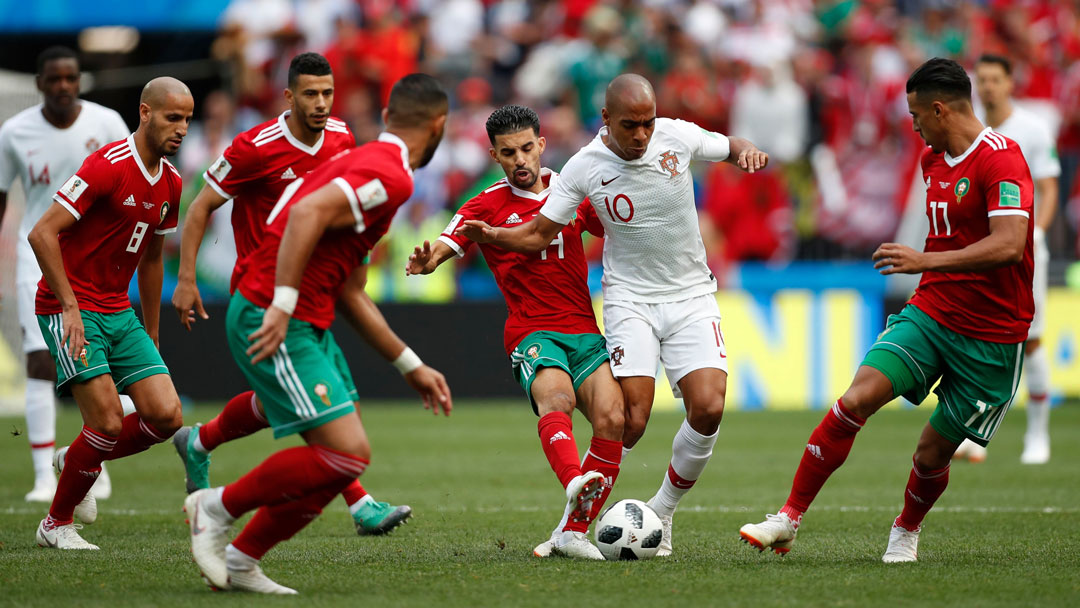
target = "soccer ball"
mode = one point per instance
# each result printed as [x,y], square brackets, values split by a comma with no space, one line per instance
[629,529]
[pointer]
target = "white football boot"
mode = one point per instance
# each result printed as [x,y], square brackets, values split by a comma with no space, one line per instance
[102,488]
[209,537]
[44,490]
[903,545]
[664,549]
[777,532]
[580,494]
[62,537]
[255,581]
[1036,448]
[576,545]
[86,511]
[971,451]
[545,548]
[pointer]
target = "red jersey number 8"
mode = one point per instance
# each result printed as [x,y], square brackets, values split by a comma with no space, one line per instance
[615,212]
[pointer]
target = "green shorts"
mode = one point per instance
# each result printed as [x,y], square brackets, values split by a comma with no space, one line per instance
[579,355]
[117,344]
[978,378]
[305,384]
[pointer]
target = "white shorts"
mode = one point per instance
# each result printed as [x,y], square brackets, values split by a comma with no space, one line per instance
[1039,283]
[683,336]
[27,275]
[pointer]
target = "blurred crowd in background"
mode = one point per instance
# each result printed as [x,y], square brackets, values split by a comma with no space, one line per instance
[818,84]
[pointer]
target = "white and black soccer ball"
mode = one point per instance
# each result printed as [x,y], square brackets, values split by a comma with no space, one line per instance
[629,529]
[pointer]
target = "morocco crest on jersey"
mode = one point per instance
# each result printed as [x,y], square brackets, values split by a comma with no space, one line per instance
[670,162]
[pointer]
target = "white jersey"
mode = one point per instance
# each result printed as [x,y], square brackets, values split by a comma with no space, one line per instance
[1036,143]
[652,248]
[44,157]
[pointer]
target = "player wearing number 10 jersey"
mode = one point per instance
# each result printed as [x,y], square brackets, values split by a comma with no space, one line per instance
[557,352]
[965,325]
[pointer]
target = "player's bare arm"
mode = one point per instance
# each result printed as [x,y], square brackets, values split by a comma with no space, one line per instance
[530,237]
[151,274]
[426,258]
[365,317]
[45,242]
[322,210]
[186,298]
[745,155]
[1003,246]
[1046,190]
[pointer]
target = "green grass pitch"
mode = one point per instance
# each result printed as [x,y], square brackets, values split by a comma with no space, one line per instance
[1002,535]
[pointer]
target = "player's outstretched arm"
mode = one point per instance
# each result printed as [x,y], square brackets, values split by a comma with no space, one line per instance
[186,298]
[530,237]
[745,155]
[426,258]
[1003,246]
[151,274]
[1046,190]
[45,242]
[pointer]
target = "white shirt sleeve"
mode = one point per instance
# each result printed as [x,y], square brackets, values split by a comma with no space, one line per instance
[7,160]
[569,191]
[1044,160]
[704,144]
[115,126]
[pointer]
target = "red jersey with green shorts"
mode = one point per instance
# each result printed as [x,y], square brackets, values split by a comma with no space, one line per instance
[257,168]
[991,179]
[544,291]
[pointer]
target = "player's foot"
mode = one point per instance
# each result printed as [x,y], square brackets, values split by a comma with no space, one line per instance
[255,581]
[209,537]
[44,489]
[102,488]
[576,545]
[777,532]
[1036,449]
[545,548]
[61,537]
[86,510]
[580,494]
[971,451]
[903,545]
[664,549]
[196,464]
[376,518]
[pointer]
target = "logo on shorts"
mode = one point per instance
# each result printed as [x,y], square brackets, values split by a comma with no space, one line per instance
[84,355]
[961,189]
[617,355]
[323,392]
[670,162]
[533,351]
[164,212]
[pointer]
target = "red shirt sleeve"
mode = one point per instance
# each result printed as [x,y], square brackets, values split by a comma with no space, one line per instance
[474,209]
[1007,185]
[238,165]
[587,213]
[81,190]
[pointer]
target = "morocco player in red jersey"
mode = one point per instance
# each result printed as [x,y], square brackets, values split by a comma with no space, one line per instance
[253,172]
[109,220]
[278,324]
[965,325]
[557,352]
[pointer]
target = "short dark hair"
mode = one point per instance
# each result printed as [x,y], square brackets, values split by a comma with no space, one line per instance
[996,59]
[53,53]
[416,99]
[940,77]
[511,119]
[312,64]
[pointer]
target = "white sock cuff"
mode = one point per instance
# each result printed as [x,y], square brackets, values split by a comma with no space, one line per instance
[693,437]
[356,506]
[127,404]
[40,412]
[1037,372]
[255,408]
[235,559]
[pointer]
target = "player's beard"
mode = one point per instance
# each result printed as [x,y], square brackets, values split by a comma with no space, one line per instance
[529,181]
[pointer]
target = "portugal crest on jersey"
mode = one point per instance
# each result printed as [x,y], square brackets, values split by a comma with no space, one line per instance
[164,212]
[670,162]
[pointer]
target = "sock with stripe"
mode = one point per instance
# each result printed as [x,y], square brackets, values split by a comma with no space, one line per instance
[353,494]
[82,464]
[604,455]
[277,523]
[557,440]
[135,436]
[1037,372]
[924,487]
[41,424]
[826,450]
[240,418]
[690,452]
[289,475]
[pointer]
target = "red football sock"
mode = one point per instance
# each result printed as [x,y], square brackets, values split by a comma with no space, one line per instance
[290,475]
[274,524]
[603,455]
[353,493]
[557,440]
[135,436]
[924,487]
[81,467]
[826,450]
[240,418]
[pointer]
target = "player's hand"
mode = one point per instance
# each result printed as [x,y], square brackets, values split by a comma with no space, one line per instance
[74,339]
[431,385]
[892,258]
[188,303]
[419,260]
[268,338]
[751,159]
[475,230]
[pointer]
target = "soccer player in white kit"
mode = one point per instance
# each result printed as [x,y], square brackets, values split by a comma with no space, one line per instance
[994,83]
[659,302]
[43,146]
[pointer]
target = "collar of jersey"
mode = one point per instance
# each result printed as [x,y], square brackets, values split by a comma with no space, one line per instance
[536,196]
[390,138]
[299,145]
[952,162]
[138,161]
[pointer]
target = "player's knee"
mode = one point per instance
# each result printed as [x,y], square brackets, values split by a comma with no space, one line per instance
[40,366]
[166,419]
[634,424]
[556,401]
[109,424]
[1032,345]
[609,422]
[705,414]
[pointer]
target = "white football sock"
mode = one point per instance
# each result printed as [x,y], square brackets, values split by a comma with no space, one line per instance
[356,506]
[236,559]
[127,404]
[1037,371]
[41,424]
[690,452]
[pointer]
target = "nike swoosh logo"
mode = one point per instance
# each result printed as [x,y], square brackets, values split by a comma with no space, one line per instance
[604,183]
[196,529]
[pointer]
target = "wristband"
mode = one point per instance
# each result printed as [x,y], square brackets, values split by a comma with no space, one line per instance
[285,299]
[407,361]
